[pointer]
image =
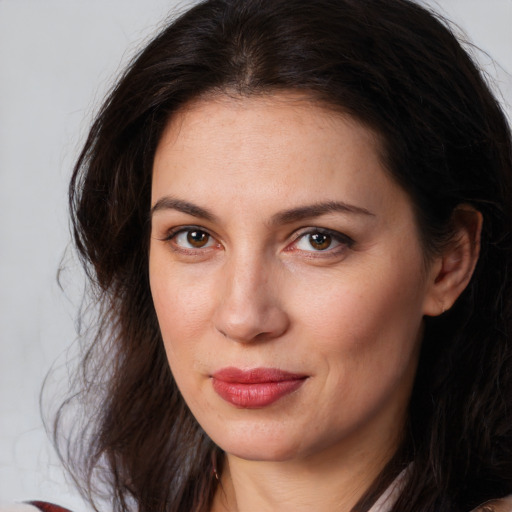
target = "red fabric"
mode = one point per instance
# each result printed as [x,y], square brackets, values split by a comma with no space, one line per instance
[48,507]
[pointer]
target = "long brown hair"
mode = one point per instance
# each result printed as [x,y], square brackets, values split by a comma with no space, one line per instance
[396,68]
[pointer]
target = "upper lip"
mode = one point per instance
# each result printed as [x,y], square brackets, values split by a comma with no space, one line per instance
[255,375]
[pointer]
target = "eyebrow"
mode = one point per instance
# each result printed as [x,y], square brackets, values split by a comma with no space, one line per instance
[172,203]
[284,217]
[316,210]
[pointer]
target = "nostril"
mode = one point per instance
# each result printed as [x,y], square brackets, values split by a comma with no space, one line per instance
[259,326]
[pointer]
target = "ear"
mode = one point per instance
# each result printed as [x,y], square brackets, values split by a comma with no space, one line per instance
[451,271]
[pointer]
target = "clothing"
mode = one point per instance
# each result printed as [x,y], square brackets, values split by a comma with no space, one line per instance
[48,507]
[390,495]
[388,498]
[383,504]
[503,505]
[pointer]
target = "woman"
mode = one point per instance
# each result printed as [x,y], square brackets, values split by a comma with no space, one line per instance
[297,221]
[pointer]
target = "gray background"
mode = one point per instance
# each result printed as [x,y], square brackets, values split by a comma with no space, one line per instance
[57,60]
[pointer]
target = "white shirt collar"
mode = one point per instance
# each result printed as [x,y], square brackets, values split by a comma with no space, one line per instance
[390,495]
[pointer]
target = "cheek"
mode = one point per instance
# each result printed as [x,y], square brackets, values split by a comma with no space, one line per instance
[183,314]
[366,322]
[367,349]
[183,304]
[361,305]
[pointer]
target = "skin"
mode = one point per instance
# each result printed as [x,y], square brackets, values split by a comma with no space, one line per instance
[256,292]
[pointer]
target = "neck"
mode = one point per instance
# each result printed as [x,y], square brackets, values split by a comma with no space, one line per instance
[325,482]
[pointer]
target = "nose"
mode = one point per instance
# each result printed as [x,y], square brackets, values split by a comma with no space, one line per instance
[249,307]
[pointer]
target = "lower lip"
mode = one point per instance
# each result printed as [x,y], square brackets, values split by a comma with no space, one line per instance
[255,395]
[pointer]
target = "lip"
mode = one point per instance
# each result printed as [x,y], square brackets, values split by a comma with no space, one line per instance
[255,388]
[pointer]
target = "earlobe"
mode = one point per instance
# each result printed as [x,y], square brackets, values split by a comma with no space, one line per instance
[451,271]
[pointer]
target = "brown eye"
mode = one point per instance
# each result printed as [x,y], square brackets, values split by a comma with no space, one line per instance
[193,239]
[320,241]
[197,239]
[323,241]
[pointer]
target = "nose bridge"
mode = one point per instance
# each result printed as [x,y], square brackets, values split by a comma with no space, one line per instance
[249,307]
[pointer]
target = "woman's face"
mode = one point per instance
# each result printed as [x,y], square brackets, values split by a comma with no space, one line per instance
[287,276]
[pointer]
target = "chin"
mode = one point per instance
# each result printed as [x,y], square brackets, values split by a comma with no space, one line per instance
[264,445]
[262,453]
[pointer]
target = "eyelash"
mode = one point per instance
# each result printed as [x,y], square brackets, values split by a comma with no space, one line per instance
[343,241]
[183,230]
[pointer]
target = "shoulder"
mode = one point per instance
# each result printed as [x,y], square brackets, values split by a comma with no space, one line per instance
[501,505]
[32,506]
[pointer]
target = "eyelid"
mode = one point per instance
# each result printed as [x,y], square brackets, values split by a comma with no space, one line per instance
[344,240]
[175,231]
[172,232]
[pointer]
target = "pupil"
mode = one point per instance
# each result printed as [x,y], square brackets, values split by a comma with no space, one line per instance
[320,240]
[197,238]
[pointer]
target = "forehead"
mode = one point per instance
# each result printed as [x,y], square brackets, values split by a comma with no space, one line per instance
[273,113]
[282,145]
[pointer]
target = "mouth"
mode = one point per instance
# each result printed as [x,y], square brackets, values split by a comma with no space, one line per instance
[255,388]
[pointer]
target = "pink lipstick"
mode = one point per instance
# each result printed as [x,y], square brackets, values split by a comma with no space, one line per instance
[255,388]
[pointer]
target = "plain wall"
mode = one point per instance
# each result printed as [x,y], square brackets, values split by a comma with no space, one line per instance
[57,60]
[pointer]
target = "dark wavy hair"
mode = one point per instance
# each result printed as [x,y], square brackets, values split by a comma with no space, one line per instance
[396,68]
